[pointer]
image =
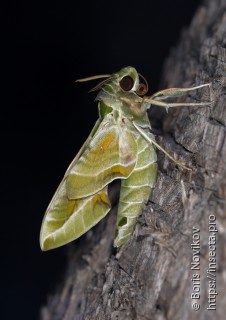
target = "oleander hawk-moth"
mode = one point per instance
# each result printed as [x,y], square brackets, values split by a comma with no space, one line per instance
[120,146]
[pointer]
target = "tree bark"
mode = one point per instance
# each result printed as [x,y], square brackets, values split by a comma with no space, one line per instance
[151,277]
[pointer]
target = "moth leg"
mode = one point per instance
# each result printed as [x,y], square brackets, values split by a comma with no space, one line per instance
[175,92]
[159,147]
[172,104]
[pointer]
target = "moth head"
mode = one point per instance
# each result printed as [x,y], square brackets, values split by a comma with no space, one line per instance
[126,80]
[129,80]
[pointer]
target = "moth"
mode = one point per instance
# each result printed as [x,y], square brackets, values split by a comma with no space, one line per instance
[120,146]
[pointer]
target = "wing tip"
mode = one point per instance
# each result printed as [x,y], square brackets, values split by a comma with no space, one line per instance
[47,242]
[44,244]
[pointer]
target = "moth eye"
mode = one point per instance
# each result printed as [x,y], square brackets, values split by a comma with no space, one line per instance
[126,83]
[142,90]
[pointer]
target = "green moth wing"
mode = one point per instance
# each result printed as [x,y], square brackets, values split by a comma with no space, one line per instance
[66,220]
[60,203]
[81,200]
[111,154]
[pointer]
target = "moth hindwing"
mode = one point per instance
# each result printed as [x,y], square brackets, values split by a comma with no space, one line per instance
[120,146]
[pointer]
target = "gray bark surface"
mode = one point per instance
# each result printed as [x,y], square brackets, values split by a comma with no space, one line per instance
[150,276]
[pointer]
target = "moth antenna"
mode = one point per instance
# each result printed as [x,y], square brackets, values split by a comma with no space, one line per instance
[97,87]
[101,76]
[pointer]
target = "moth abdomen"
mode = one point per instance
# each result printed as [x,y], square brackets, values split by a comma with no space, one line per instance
[135,191]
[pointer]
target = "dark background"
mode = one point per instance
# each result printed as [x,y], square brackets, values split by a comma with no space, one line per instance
[48,118]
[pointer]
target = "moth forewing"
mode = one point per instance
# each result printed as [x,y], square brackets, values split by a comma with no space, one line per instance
[48,227]
[110,155]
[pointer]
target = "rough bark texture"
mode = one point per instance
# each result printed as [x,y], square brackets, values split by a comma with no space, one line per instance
[150,277]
